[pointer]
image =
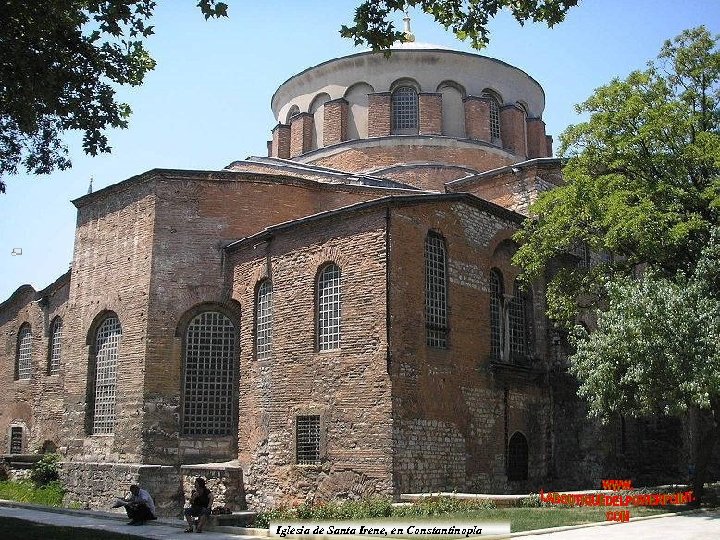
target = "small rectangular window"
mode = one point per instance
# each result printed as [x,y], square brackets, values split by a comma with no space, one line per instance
[307,440]
[16,437]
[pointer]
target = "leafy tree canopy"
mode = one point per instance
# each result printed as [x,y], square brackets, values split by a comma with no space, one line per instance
[59,60]
[642,181]
[467,19]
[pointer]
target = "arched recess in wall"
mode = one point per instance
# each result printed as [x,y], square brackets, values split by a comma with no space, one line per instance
[317,109]
[294,111]
[357,98]
[453,110]
[517,467]
[496,102]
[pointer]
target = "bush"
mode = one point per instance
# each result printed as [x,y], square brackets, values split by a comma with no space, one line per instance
[46,470]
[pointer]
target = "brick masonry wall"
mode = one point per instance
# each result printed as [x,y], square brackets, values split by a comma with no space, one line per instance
[280,146]
[477,118]
[448,404]
[370,158]
[512,130]
[430,109]
[378,115]
[35,404]
[536,143]
[110,273]
[348,387]
[195,219]
[429,177]
[301,126]
[335,122]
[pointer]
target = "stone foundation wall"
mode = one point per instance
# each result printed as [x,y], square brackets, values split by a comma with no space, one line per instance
[224,481]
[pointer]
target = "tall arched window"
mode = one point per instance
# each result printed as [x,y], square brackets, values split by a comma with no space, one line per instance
[518,325]
[107,341]
[328,308]
[517,468]
[494,103]
[496,297]
[23,356]
[56,328]
[404,111]
[436,312]
[209,375]
[263,320]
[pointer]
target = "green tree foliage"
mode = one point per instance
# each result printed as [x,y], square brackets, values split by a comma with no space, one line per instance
[467,19]
[60,61]
[642,185]
[641,179]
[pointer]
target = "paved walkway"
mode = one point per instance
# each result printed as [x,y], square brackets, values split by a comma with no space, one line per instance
[107,521]
[703,525]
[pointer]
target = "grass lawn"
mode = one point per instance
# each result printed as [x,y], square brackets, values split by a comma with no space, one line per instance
[18,529]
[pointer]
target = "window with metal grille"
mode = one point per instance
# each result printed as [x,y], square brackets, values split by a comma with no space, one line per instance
[23,358]
[209,375]
[328,308]
[16,440]
[307,440]
[496,294]
[517,319]
[517,468]
[263,320]
[107,341]
[494,114]
[56,329]
[404,110]
[436,319]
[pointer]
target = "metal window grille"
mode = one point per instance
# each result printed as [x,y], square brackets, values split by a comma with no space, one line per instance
[404,109]
[55,340]
[517,318]
[16,439]
[517,458]
[107,340]
[209,375]
[263,320]
[307,440]
[328,328]
[494,115]
[496,291]
[435,292]
[24,353]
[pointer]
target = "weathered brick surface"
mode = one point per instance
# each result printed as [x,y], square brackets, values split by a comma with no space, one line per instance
[301,128]
[280,146]
[352,396]
[513,130]
[335,119]
[477,118]
[430,110]
[536,141]
[379,114]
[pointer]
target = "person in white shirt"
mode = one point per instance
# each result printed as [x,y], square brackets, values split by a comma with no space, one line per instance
[139,506]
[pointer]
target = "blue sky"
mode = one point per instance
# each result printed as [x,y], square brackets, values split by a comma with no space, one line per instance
[208,101]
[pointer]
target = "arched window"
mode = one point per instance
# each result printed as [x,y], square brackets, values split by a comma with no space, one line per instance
[56,328]
[209,375]
[328,308]
[107,341]
[517,468]
[292,113]
[23,356]
[263,320]
[494,103]
[404,111]
[436,313]
[518,325]
[496,298]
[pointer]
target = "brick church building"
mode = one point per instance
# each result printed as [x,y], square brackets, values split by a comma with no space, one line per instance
[339,318]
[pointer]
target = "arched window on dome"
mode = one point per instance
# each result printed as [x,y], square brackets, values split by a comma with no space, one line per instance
[292,113]
[453,109]
[404,104]
[494,102]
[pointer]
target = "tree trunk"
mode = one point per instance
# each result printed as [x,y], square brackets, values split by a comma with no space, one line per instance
[708,435]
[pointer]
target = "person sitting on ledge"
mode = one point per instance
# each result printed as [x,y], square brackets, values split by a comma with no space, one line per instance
[201,500]
[139,506]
